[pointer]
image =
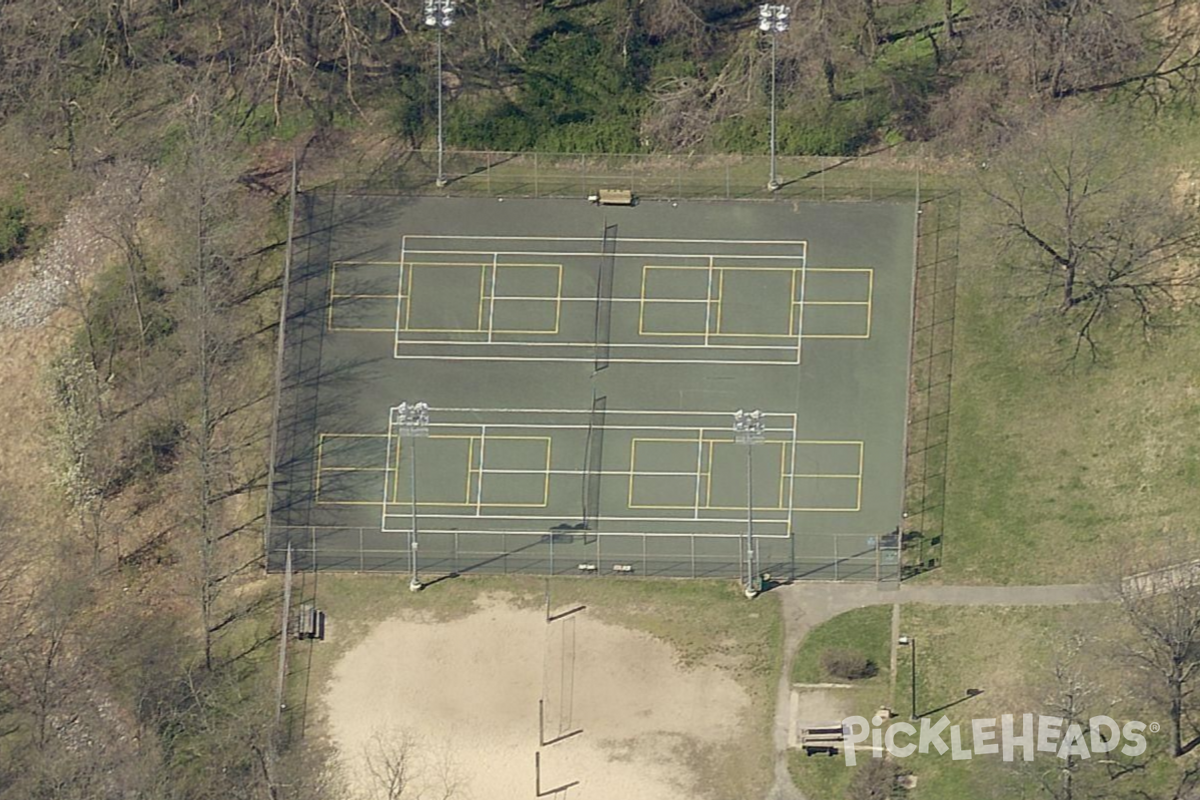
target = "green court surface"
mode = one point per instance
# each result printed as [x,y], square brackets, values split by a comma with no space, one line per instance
[582,366]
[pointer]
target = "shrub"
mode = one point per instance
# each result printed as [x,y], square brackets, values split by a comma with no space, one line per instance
[849,665]
[874,780]
[14,227]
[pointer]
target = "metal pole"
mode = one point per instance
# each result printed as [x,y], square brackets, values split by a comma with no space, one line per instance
[441,176]
[281,680]
[914,678]
[751,590]
[773,183]
[414,584]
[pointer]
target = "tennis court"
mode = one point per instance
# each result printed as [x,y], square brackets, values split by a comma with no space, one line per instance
[582,366]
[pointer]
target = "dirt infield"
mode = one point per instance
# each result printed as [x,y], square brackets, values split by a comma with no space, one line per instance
[460,700]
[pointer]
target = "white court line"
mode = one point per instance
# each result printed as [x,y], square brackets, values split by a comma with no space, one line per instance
[492,302]
[403,516]
[590,345]
[638,411]
[482,467]
[601,534]
[591,360]
[399,292]
[472,237]
[731,256]
[708,302]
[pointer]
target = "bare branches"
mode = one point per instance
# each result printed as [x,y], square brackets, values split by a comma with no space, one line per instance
[1163,607]
[1093,231]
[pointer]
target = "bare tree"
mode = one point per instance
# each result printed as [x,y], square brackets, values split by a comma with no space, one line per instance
[1163,606]
[399,766]
[83,465]
[1092,234]
[203,233]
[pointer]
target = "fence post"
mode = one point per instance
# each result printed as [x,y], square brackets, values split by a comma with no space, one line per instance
[489,171]
[362,558]
[583,174]
[836,565]
[726,180]
[693,541]
[821,172]
[535,175]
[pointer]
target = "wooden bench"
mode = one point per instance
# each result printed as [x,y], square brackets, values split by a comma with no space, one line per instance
[613,197]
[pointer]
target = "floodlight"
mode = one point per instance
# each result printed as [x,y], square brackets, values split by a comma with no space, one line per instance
[413,421]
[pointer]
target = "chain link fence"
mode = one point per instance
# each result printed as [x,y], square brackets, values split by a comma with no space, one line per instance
[727,177]
[805,557]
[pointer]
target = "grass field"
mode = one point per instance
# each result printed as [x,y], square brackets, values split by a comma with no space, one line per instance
[1056,469]
[1009,654]
[867,630]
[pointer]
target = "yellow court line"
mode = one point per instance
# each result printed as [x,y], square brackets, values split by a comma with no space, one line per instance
[720,298]
[783,476]
[482,292]
[376,296]
[642,304]
[791,315]
[834,303]
[408,295]
[317,477]
[332,281]
[835,336]
[870,300]
[858,502]
[782,468]
[633,443]
[368,263]
[546,488]
[470,466]
[558,300]
[823,475]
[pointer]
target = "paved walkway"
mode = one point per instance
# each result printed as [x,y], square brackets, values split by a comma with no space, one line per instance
[806,605]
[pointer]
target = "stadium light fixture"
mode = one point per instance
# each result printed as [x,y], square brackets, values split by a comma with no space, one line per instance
[413,421]
[439,14]
[750,428]
[773,20]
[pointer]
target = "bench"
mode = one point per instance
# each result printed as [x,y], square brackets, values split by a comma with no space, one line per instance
[613,197]
[827,738]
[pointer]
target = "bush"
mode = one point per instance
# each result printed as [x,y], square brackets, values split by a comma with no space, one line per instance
[850,665]
[874,780]
[14,227]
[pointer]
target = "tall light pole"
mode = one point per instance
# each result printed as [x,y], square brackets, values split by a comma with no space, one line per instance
[413,420]
[911,641]
[439,14]
[773,19]
[749,428]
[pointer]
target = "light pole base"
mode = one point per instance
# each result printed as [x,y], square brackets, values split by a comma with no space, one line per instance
[441,183]
[750,592]
[415,585]
[773,185]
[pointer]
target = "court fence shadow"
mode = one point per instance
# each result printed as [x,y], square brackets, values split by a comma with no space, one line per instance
[932,370]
